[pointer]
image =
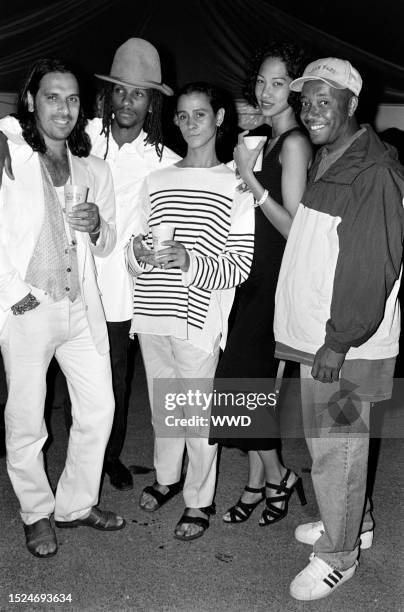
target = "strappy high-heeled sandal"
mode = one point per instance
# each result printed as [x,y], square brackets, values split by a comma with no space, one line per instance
[271,513]
[241,511]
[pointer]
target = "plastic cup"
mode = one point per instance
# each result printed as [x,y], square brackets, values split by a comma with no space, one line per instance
[251,142]
[162,232]
[74,194]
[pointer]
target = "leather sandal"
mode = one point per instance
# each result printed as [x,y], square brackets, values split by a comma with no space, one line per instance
[40,532]
[271,513]
[242,510]
[103,520]
[194,520]
[159,497]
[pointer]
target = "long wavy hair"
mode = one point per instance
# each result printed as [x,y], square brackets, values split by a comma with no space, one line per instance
[78,141]
[295,59]
[152,125]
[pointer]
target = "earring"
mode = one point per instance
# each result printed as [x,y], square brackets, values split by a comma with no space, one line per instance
[112,116]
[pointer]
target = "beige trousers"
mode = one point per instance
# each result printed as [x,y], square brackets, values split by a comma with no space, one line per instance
[177,367]
[28,343]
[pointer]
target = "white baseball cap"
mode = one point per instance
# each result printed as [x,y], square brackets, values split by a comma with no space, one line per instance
[335,72]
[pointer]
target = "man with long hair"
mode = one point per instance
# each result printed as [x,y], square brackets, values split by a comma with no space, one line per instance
[50,305]
[128,135]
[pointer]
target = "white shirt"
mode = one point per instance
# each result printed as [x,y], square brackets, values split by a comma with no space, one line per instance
[21,216]
[129,165]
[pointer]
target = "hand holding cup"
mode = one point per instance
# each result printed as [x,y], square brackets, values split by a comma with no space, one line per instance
[82,216]
[169,252]
[247,153]
[85,218]
[256,143]
[175,255]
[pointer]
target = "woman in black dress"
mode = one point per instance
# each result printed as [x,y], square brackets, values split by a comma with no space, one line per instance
[277,190]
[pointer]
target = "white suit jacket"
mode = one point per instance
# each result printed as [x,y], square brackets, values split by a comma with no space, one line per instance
[21,217]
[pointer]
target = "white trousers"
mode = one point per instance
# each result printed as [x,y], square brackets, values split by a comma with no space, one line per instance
[28,343]
[166,357]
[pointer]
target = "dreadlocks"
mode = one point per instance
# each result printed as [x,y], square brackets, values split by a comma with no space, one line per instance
[152,125]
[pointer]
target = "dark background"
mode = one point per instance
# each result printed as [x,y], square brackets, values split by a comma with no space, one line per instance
[208,39]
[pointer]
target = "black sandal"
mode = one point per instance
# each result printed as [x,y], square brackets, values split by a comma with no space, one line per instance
[103,520]
[39,533]
[272,514]
[158,496]
[195,520]
[242,511]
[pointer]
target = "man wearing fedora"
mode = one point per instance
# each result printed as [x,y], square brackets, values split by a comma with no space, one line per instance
[129,137]
[337,313]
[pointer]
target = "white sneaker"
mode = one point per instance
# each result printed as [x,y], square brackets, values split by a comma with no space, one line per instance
[318,580]
[308,533]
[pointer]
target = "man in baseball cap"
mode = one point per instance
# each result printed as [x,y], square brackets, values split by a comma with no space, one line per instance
[336,312]
[338,73]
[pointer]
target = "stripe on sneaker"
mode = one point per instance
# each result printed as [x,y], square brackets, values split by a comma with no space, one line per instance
[335,576]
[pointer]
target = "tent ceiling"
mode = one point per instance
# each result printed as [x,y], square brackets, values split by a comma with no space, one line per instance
[208,39]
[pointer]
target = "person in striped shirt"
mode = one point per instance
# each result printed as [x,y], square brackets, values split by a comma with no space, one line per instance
[183,296]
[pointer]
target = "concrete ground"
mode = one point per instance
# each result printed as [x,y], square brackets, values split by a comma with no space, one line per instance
[231,568]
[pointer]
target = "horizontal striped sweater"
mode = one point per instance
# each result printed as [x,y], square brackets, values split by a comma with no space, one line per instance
[216,226]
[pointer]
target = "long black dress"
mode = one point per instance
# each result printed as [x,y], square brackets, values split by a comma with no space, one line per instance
[249,352]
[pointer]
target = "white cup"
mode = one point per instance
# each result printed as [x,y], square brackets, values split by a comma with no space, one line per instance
[251,142]
[162,232]
[74,194]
